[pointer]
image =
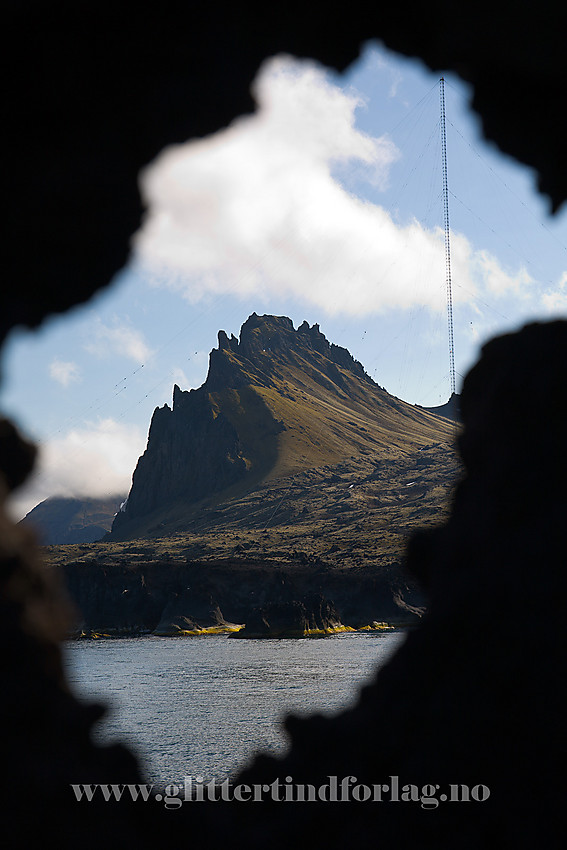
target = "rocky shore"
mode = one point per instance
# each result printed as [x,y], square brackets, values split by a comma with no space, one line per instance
[245,598]
[336,534]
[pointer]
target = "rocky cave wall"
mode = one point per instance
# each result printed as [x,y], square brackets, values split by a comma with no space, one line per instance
[95,91]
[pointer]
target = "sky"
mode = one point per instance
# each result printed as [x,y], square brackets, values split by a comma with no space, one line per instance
[325,205]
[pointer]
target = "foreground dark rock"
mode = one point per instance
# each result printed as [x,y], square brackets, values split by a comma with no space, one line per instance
[47,740]
[471,698]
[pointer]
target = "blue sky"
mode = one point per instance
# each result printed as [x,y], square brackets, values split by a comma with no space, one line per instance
[326,205]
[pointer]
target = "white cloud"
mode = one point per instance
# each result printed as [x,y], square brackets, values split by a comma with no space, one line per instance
[555,302]
[96,460]
[180,378]
[498,281]
[118,339]
[254,210]
[64,371]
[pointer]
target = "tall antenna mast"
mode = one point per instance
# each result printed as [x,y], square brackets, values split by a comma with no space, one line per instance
[447,237]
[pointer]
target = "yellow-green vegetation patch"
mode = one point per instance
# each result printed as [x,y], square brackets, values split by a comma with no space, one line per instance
[206,630]
[94,635]
[376,627]
[332,630]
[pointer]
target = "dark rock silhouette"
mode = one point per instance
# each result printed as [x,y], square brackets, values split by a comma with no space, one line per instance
[46,733]
[95,92]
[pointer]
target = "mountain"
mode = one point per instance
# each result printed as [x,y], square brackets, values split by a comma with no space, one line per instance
[279,496]
[277,403]
[61,520]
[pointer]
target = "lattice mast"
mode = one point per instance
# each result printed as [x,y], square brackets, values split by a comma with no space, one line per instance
[448,280]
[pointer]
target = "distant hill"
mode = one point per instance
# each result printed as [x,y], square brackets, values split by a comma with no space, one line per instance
[450,410]
[277,402]
[59,520]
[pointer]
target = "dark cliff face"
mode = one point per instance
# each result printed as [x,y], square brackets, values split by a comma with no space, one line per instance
[201,445]
[165,597]
[193,450]
[275,401]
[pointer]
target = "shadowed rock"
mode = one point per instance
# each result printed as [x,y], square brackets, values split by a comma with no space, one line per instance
[297,619]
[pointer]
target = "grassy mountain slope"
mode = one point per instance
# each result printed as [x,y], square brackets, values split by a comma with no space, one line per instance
[276,403]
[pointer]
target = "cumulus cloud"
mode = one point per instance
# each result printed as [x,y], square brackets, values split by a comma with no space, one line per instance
[498,281]
[95,460]
[555,301]
[179,377]
[119,339]
[64,371]
[255,210]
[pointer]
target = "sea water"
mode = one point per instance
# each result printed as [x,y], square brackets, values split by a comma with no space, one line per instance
[203,706]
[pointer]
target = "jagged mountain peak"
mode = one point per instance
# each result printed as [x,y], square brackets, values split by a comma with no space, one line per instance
[276,401]
[267,342]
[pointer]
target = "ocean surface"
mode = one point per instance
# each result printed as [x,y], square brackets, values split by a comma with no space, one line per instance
[203,706]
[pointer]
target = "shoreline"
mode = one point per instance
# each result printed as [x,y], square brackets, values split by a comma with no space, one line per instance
[233,632]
